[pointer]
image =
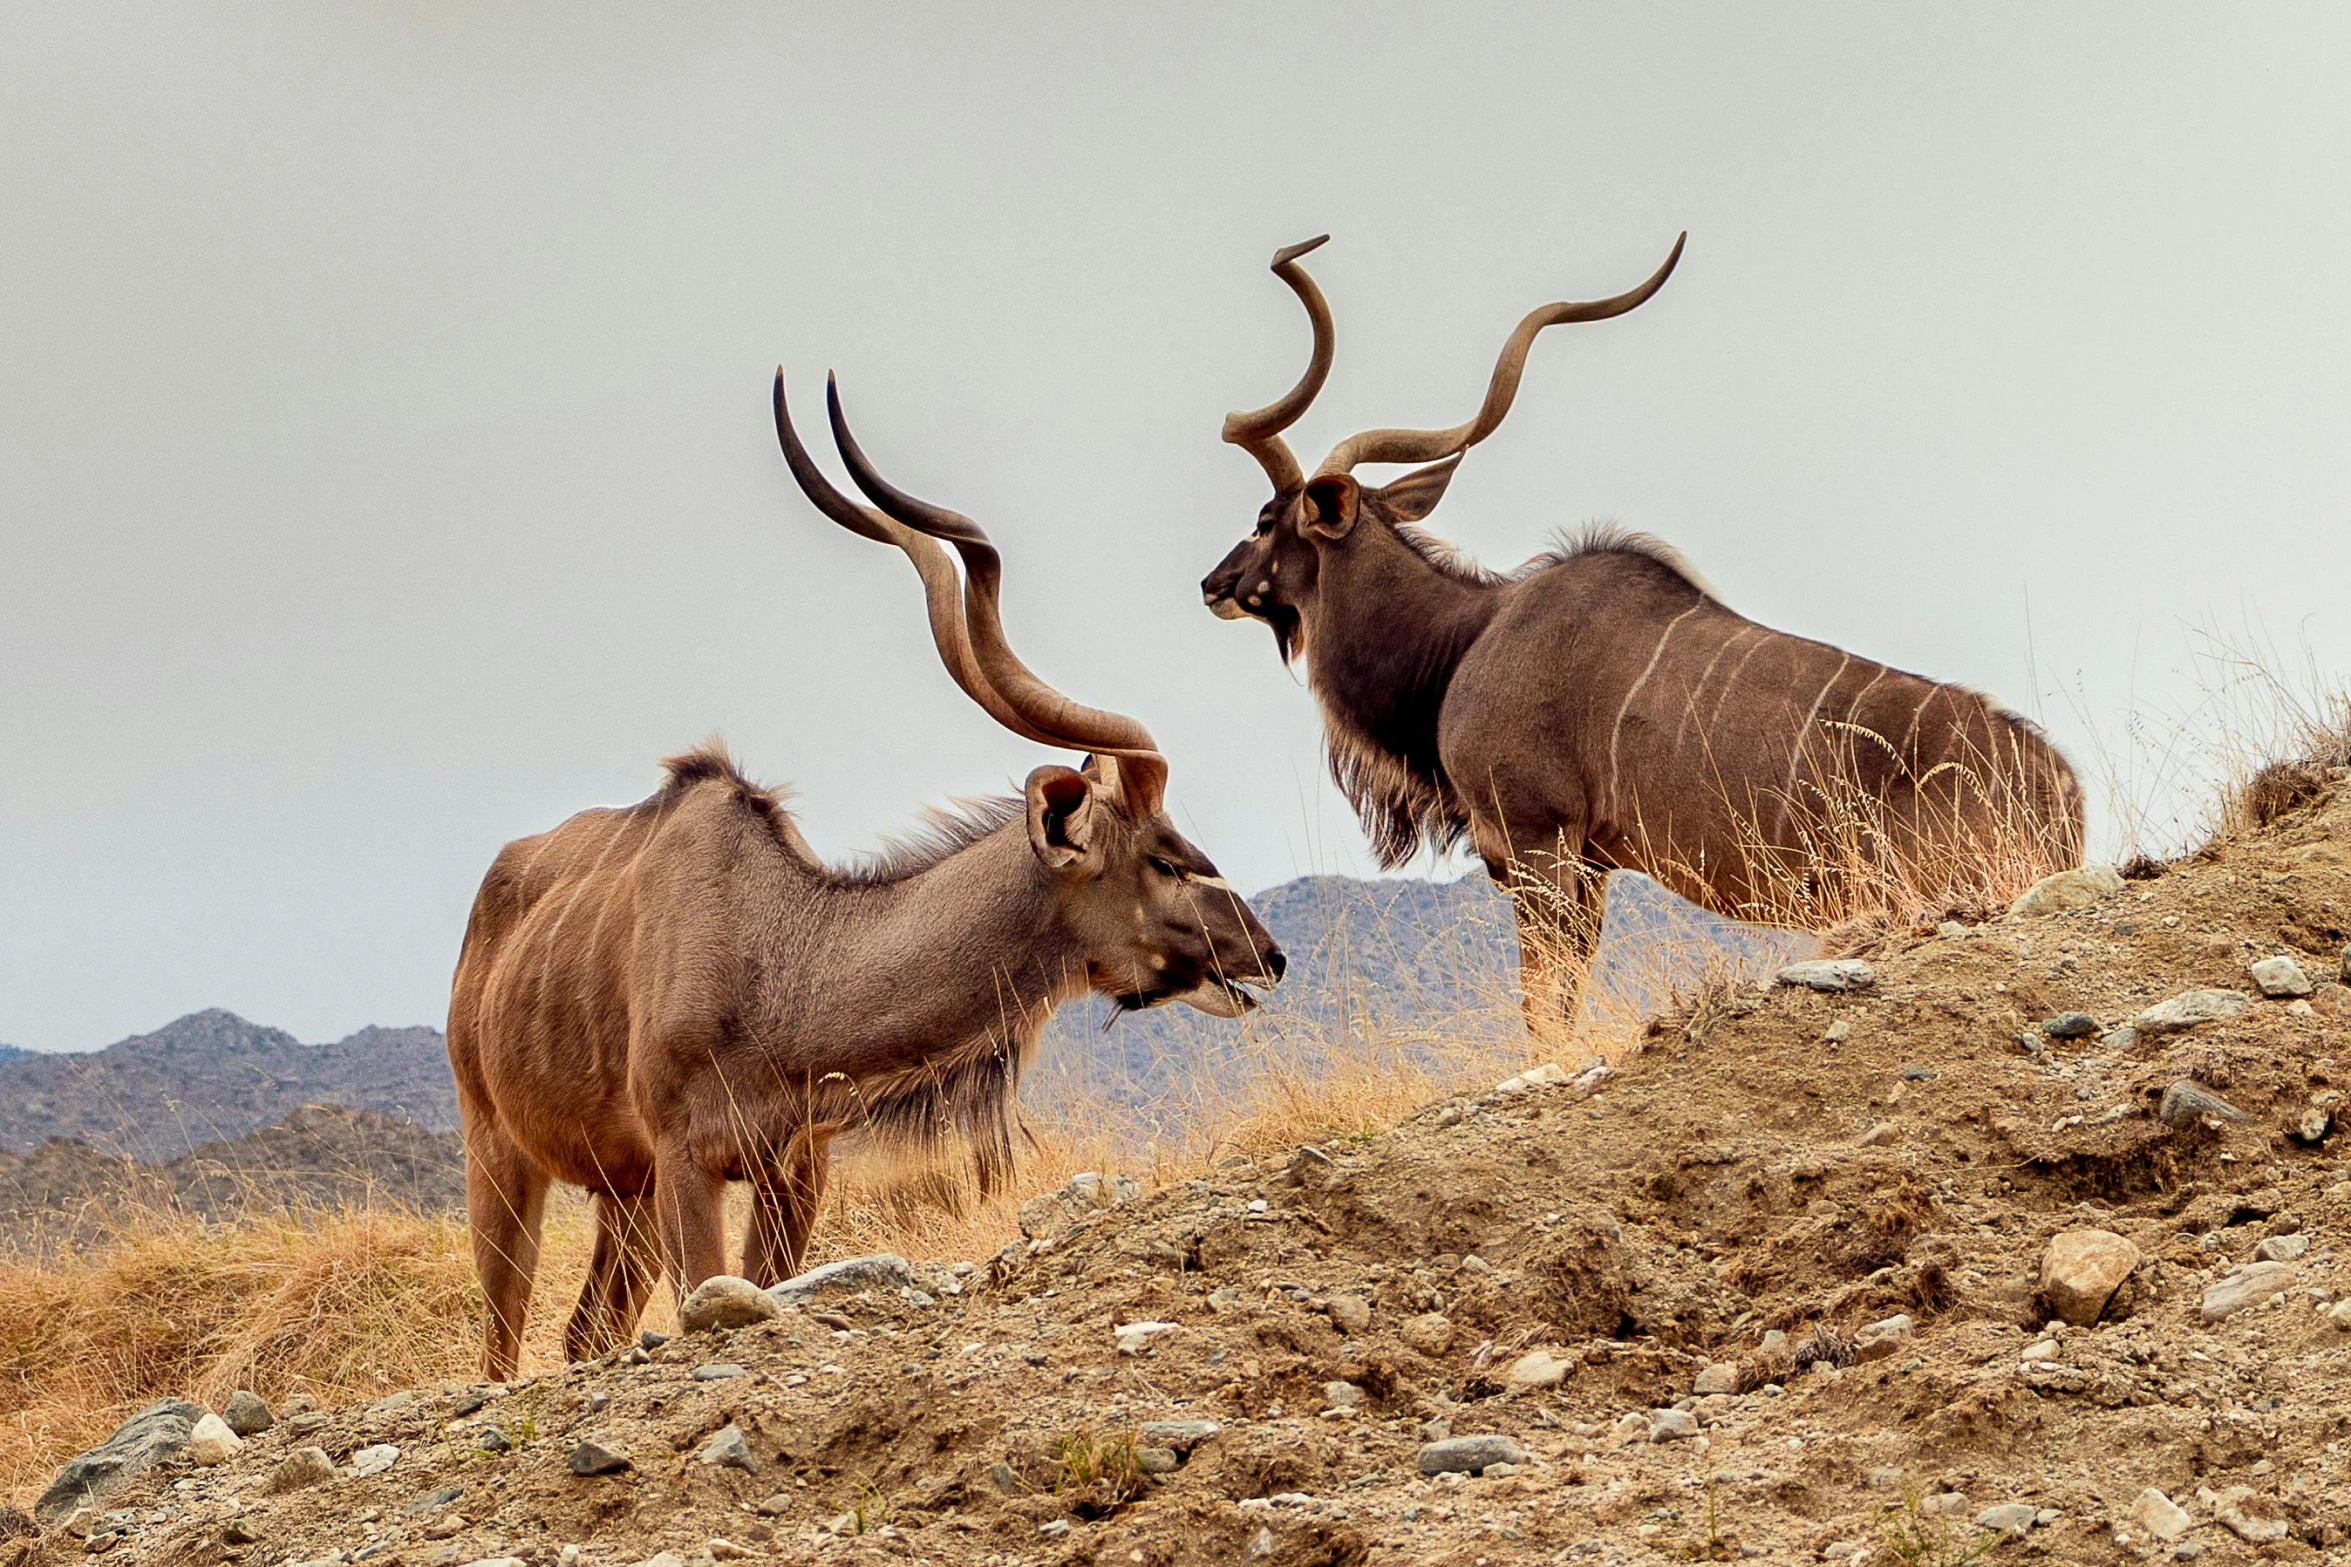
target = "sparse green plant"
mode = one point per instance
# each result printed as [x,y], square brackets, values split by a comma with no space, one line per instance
[1108,1467]
[1717,1546]
[865,1510]
[1918,1539]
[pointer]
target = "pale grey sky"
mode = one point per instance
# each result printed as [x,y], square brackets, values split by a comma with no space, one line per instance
[385,467]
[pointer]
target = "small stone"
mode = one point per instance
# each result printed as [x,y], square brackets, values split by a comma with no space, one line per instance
[1838,1032]
[1261,1545]
[2313,1125]
[1537,1369]
[1182,1435]
[1350,1314]
[1544,1076]
[722,1549]
[2067,891]
[496,1561]
[304,1466]
[1133,1338]
[430,1501]
[2010,1518]
[1431,1333]
[2190,1008]
[649,1341]
[594,1458]
[212,1442]
[2282,1248]
[2246,1286]
[718,1371]
[246,1414]
[1053,1528]
[2040,1352]
[1498,1471]
[2070,1025]
[2249,1515]
[374,1460]
[597,1400]
[1943,1504]
[1631,1426]
[1879,1134]
[725,1301]
[1342,1395]
[1157,1460]
[727,1449]
[1774,1342]
[488,1438]
[2187,1101]
[1720,1377]
[2339,1314]
[1829,974]
[1884,1477]
[1880,1339]
[1672,1425]
[1468,1454]
[2280,978]
[2160,1516]
[2082,1269]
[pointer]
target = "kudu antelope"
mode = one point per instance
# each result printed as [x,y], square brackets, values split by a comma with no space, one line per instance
[1600,708]
[656,1000]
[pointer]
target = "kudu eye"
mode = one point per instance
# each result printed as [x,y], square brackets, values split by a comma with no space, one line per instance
[1167,868]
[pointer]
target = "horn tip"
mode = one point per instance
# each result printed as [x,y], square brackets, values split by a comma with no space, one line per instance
[1290,253]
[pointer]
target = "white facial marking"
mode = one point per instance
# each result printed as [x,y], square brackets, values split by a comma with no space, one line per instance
[1264,587]
[1158,963]
[1218,882]
[1255,599]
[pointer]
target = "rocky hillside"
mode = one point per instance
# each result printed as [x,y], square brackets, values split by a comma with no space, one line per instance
[2029,1239]
[321,1156]
[212,1075]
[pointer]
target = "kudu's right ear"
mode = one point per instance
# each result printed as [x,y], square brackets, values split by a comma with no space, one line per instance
[1327,509]
[1061,804]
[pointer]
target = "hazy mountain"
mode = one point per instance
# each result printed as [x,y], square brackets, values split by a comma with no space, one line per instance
[1385,958]
[11,1052]
[212,1075]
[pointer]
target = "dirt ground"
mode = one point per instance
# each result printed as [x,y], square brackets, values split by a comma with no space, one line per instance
[1555,1265]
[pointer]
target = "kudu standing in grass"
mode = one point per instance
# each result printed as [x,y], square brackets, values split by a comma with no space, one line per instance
[656,1000]
[1600,708]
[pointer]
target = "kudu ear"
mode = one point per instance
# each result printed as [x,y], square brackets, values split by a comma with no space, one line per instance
[1416,494]
[1062,806]
[1327,509]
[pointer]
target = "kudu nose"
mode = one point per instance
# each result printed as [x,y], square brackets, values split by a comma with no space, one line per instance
[1277,963]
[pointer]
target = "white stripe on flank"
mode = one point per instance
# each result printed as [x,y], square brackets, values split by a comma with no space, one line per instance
[1796,759]
[1616,732]
[1690,708]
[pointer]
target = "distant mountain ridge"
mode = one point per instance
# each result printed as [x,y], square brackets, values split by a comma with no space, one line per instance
[212,1076]
[1384,957]
[11,1052]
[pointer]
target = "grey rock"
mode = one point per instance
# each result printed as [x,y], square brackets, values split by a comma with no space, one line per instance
[246,1414]
[488,1438]
[2246,1286]
[1342,1395]
[881,1270]
[2070,1025]
[2282,1248]
[2280,978]
[374,1460]
[430,1501]
[594,1458]
[1053,1528]
[725,1301]
[1468,1454]
[2187,1101]
[727,1449]
[1829,974]
[2190,1008]
[2008,1518]
[2249,1515]
[2066,891]
[1720,1377]
[301,1468]
[1350,1314]
[717,1371]
[2160,1516]
[158,1432]
[1882,1338]
[1672,1425]
[1157,1460]
[650,1340]
[1182,1435]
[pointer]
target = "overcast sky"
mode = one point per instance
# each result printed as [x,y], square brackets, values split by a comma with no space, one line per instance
[385,465]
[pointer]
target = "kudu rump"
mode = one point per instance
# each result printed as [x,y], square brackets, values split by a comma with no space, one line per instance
[1600,708]
[656,1000]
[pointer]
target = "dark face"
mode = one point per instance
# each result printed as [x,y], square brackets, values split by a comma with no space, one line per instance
[1155,920]
[1267,575]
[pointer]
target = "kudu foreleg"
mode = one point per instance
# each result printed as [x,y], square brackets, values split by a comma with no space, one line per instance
[614,1294]
[689,1205]
[785,1197]
[1559,901]
[505,1203]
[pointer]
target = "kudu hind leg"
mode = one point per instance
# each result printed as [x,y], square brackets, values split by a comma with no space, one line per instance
[506,1204]
[614,1293]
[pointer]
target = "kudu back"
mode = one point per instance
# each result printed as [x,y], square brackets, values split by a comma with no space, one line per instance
[655,1000]
[1601,708]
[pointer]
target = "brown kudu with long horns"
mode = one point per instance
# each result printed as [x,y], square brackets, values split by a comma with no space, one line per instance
[656,1000]
[1600,708]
